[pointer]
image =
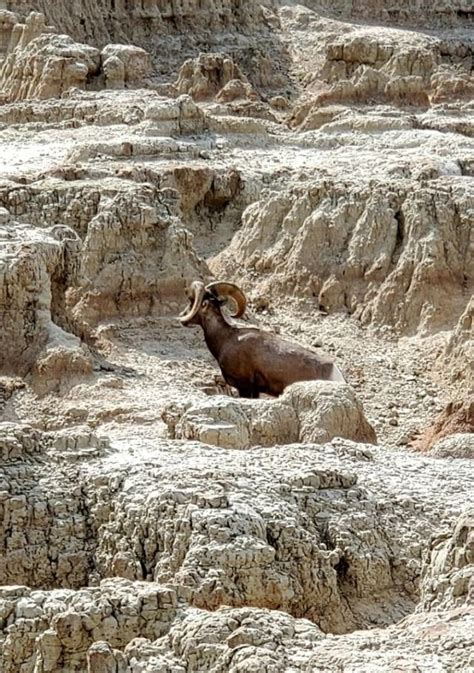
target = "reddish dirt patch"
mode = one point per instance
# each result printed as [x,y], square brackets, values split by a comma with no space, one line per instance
[455,417]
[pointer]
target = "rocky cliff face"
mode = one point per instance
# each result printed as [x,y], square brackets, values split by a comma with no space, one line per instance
[382,253]
[321,156]
[456,13]
[138,20]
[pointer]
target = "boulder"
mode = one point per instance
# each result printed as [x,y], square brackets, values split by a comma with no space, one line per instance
[307,412]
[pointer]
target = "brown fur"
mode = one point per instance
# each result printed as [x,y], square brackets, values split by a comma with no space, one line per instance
[255,361]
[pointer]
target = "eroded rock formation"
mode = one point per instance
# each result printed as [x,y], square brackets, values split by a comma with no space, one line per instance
[43,65]
[148,522]
[380,252]
[213,75]
[136,20]
[457,418]
[306,412]
[191,525]
[54,282]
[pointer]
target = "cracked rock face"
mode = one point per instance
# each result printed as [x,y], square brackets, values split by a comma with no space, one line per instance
[409,272]
[212,75]
[194,525]
[320,155]
[306,412]
[33,263]
[55,285]
[44,65]
[449,577]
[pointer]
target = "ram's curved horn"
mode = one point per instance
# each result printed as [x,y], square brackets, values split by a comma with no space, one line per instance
[223,289]
[196,292]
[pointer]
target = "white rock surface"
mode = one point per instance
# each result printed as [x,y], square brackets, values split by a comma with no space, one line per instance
[321,156]
[307,412]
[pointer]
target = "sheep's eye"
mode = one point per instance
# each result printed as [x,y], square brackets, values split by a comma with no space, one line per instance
[205,303]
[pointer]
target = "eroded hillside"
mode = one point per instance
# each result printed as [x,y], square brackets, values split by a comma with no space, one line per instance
[320,155]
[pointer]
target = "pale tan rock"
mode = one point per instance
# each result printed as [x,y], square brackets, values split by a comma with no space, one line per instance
[245,126]
[114,72]
[7,22]
[309,412]
[235,527]
[456,418]
[448,577]
[365,66]
[158,264]
[135,61]
[126,22]
[279,103]
[212,75]
[326,411]
[101,658]
[44,65]
[335,532]
[30,260]
[53,285]
[459,352]
[178,116]
[457,445]
[360,253]
[235,89]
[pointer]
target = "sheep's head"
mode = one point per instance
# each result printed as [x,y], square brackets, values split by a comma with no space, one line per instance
[204,299]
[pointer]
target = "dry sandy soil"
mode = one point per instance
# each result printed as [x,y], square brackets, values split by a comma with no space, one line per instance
[321,156]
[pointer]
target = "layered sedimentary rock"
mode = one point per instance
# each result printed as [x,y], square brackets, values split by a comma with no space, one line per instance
[43,65]
[413,12]
[58,280]
[448,578]
[124,65]
[212,75]
[388,255]
[158,263]
[36,268]
[459,352]
[365,66]
[456,418]
[335,533]
[238,541]
[112,20]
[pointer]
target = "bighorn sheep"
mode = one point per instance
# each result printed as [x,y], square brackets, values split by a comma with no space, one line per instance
[252,360]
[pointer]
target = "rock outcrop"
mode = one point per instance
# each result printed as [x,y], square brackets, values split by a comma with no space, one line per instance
[366,66]
[36,267]
[311,412]
[457,418]
[41,64]
[334,533]
[458,357]
[213,76]
[124,65]
[448,578]
[137,21]
[44,65]
[457,445]
[403,12]
[158,263]
[383,253]
[148,521]
[59,282]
